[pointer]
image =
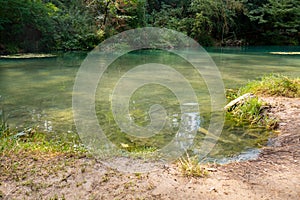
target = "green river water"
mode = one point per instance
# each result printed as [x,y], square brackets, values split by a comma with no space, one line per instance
[38,92]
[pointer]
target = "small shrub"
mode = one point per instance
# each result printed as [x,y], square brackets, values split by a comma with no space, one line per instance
[12,48]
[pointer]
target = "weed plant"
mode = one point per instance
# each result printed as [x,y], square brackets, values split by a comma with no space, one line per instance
[254,112]
[31,140]
[274,85]
[190,167]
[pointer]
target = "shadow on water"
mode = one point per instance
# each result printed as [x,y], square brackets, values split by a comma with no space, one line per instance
[38,92]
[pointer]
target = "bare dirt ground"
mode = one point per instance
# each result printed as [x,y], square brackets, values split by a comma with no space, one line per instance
[274,175]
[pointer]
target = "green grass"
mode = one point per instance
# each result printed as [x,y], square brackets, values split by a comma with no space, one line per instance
[190,167]
[4,128]
[274,85]
[254,112]
[31,140]
[27,153]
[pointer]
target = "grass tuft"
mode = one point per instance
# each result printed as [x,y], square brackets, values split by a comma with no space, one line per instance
[254,112]
[274,85]
[190,167]
[30,140]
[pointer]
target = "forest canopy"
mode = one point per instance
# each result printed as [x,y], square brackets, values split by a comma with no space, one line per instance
[50,25]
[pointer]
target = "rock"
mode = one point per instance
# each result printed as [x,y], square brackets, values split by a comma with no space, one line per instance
[28,56]
[210,169]
[285,53]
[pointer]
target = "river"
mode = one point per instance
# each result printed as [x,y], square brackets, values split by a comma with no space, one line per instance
[38,92]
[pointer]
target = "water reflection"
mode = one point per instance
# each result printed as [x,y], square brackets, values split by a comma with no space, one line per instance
[190,123]
[250,154]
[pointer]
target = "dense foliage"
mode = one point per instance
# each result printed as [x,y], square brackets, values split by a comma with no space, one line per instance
[43,25]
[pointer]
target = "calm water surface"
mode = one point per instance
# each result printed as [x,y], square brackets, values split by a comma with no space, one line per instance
[38,92]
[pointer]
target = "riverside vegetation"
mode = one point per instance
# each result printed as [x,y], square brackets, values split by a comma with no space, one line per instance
[252,111]
[51,25]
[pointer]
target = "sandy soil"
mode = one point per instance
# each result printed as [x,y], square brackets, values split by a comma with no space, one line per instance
[274,175]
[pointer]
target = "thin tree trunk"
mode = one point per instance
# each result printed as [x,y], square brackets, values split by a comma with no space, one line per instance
[105,14]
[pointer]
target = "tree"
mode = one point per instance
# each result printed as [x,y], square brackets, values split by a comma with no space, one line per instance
[277,21]
[35,25]
[25,24]
[114,16]
[75,27]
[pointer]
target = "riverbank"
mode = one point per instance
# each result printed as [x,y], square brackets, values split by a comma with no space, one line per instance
[274,175]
